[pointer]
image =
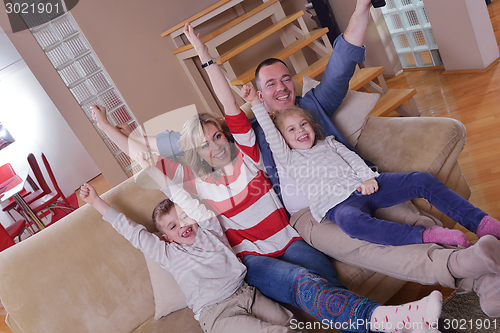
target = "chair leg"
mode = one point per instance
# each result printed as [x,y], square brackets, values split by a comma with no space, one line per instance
[12,217]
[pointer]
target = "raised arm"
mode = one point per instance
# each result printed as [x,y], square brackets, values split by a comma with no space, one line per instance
[279,147]
[348,51]
[217,78]
[192,207]
[166,143]
[356,29]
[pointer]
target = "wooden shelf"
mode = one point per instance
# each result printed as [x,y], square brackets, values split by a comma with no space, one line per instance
[283,54]
[364,76]
[195,16]
[314,70]
[257,38]
[392,99]
[225,27]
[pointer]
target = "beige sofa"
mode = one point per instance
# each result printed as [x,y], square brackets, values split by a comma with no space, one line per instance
[80,275]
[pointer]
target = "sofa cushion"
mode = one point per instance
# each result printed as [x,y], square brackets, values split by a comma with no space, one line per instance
[352,115]
[167,293]
[79,275]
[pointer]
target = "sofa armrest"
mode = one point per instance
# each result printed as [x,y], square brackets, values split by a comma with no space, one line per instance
[397,144]
[424,144]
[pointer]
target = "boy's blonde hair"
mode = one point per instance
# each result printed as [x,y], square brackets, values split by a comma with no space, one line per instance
[162,208]
[192,137]
[279,117]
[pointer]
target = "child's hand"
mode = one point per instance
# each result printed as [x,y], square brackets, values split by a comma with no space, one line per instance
[99,115]
[124,129]
[368,187]
[88,194]
[248,93]
[194,39]
[144,159]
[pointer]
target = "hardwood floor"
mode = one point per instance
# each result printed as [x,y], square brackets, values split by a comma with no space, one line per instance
[474,99]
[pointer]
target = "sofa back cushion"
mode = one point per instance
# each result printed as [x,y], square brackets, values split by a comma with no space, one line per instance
[80,275]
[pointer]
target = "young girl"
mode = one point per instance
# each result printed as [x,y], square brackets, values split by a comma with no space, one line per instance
[343,189]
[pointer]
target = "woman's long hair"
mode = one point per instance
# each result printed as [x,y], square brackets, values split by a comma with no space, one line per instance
[192,137]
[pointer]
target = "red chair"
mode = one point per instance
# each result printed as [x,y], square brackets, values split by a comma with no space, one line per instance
[7,172]
[51,198]
[54,181]
[16,229]
[5,239]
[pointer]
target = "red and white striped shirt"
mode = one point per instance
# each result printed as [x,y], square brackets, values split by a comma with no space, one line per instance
[251,213]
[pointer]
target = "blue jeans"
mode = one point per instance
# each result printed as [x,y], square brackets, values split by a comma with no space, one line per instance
[304,277]
[354,215]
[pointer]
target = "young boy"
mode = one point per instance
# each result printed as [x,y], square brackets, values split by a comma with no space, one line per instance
[199,257]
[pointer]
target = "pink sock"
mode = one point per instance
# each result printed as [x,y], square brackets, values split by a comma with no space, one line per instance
[445,236]
[488,226]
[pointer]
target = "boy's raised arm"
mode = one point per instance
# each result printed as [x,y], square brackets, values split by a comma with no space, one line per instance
[89,195]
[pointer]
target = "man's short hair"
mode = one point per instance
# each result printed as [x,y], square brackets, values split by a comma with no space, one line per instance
[267,62]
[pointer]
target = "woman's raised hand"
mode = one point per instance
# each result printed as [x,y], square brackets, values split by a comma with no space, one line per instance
[197,43]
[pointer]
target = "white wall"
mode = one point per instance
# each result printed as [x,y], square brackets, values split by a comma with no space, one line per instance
[37,126]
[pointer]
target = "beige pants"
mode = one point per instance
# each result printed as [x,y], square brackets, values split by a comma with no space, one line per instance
[247,310]
[422,263]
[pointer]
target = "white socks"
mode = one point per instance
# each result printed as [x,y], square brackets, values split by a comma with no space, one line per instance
[419,316]
[479,259]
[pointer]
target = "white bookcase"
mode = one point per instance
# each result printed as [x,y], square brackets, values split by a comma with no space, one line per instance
[411,33]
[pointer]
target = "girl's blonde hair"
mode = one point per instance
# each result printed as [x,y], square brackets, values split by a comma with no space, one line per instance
[279,117]
[192,137]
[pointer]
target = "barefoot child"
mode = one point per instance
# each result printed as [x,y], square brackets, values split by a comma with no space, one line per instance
[341,188]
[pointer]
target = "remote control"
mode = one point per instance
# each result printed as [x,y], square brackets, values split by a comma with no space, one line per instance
[378,3]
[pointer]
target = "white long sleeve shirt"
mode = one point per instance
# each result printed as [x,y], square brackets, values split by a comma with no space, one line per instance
[207,271]
[328,173]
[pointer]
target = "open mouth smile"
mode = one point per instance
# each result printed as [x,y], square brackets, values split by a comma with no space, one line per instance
[220,155]
[187,233]
[303,138]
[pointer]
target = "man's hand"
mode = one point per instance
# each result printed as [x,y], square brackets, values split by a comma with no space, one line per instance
[99,115]
[368,187]
[248,93]
[88,194]
[124,129]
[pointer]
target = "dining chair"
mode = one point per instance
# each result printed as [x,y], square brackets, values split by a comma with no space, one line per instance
[54,181]
[17,229]
[5,240]
[51,199]
[7,172]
